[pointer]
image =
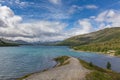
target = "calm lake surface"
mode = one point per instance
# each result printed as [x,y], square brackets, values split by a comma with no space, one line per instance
[18,61]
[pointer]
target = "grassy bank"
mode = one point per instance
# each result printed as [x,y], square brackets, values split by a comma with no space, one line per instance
[106,41]
[61,60]
[99,73]
[111,47]
[8,44]
[96,73]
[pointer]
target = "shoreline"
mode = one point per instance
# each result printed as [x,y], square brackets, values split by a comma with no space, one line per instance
[73,69]
[69,67]
[102,53]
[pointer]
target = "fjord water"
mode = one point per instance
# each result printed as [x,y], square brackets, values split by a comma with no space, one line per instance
[18,61]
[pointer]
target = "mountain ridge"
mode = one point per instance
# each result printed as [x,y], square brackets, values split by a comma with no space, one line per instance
[104,40]
[6,42]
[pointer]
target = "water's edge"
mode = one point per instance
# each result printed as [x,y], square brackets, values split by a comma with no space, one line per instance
[18,61]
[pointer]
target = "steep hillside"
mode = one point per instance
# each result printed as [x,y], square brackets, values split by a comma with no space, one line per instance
[94,37]
[5,42]
[106,40]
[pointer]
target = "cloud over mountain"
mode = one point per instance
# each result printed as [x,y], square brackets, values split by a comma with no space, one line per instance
[54,26]
[12,27]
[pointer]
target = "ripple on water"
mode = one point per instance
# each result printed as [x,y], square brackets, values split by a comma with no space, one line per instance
[18,61]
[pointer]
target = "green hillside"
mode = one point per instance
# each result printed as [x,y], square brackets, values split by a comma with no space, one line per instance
[105,41]
[5,42]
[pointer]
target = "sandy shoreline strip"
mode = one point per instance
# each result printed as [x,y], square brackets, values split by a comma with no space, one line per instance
[71,71]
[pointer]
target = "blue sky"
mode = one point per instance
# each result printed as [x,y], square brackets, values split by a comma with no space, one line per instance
[73,17]
[35,9]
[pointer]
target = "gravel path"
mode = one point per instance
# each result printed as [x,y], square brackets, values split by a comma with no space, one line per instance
[72,71]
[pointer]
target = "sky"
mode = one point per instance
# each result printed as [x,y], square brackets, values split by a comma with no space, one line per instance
[55,20]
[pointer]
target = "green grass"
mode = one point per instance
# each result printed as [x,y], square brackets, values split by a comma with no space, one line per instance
[100,41]
[93,67]
[8,44]
[96,73]
[61,60]
[102,47]
[4,43]
[99,73]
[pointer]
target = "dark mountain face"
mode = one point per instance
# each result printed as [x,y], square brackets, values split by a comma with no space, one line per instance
[21,42]
[5,42]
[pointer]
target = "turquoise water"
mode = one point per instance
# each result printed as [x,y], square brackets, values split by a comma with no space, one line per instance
[18,61]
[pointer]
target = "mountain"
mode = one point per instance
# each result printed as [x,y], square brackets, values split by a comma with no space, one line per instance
[5,42]
[52,43]
[22,42]
[49,43]
[106,41]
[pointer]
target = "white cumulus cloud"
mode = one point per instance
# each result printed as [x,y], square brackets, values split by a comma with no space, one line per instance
[105,19]
[108,18]
[13,27]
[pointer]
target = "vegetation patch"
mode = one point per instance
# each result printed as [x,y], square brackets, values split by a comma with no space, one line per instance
[96,73]
[109,47]
[4,42]
[91,66]
[61,60]
[99,73]
[105,41]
